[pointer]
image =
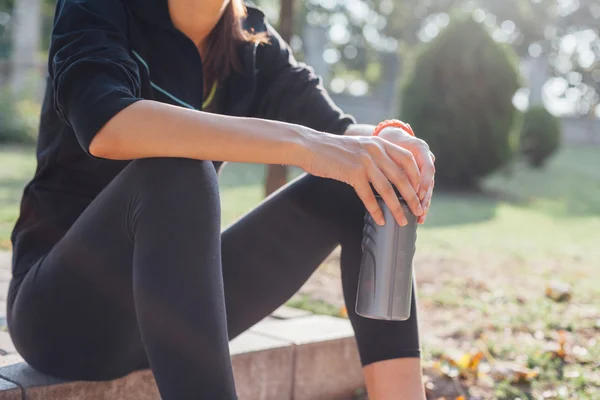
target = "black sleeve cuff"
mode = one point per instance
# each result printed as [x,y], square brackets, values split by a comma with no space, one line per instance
[108,89]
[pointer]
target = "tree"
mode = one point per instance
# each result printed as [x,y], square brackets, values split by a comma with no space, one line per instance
[540,136]
[26,37]
[459,100]
[536,27]
[277,174]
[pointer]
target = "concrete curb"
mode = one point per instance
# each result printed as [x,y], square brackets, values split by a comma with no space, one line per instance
[306,357]
[9,391]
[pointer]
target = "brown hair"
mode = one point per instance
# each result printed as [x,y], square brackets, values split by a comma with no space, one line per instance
[222,55]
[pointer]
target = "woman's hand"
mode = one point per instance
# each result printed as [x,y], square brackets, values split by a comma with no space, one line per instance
[425,161]
[361,160]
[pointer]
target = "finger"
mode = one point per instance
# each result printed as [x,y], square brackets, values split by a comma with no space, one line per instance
[397,176]
[427,200]
[427,169]
[386,191]
[426,205]
[366,195]
[405,160]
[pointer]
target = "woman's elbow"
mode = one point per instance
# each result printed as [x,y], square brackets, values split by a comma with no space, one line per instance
[111,140]
[105,144]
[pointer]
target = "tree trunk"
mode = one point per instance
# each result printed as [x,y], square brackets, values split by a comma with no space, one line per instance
[26,38]
[277,174]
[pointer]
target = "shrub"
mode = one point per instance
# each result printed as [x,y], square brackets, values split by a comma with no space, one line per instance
[18,120]
[540,136]
[458,98]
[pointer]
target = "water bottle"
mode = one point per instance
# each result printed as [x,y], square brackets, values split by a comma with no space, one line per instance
[386,272]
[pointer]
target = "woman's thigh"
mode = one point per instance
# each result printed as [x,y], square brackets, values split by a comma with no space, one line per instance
[272,251]
[74,314]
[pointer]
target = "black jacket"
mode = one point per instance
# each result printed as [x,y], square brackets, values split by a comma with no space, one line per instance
[107,54]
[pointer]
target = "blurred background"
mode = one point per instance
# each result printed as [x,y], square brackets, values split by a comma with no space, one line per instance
[507,94]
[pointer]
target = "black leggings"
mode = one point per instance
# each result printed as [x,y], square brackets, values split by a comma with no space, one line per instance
[145,278]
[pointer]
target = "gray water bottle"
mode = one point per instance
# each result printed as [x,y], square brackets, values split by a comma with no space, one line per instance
[386,272]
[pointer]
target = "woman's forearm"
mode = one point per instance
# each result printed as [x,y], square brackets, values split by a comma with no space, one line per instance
[151,129]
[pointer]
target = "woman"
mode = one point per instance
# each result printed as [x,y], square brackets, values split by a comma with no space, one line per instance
[119,259]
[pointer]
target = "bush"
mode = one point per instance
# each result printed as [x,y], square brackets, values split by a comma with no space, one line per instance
[458,98]
[540,136]
[18,120]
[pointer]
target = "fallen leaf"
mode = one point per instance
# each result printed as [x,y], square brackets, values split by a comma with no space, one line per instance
[558,349]
[512,372]
[559,291]
[343,312]
[466,365]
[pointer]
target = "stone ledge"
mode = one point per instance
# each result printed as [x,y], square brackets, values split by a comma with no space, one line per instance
[9,391]
[308,358]
[327,365]
[37,386]
[262,367]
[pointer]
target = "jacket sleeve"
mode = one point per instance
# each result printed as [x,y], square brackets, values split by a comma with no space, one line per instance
[291,91]
[92,73]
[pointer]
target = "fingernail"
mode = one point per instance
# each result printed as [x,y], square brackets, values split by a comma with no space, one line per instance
[404,221]
[381,221]
[420,210]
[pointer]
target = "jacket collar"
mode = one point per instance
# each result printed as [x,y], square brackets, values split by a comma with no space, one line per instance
[155,12]
[240,86]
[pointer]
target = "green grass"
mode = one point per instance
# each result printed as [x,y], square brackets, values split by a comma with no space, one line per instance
[315,306]
[16,167]
[485,260]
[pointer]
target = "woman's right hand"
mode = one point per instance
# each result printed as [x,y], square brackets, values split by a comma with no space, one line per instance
[363,160]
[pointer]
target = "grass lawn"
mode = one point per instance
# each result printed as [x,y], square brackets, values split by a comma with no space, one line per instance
[483,264]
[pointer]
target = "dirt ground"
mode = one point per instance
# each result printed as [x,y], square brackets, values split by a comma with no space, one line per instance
[492,304]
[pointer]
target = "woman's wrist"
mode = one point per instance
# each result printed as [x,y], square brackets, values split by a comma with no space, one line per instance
[305,145]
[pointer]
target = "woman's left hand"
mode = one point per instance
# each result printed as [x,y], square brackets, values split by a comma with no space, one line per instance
[425,161]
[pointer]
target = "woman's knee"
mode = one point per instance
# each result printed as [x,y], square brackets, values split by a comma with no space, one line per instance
[173,186]
[346,205]
[173,176]
[165,170]
[331,201]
